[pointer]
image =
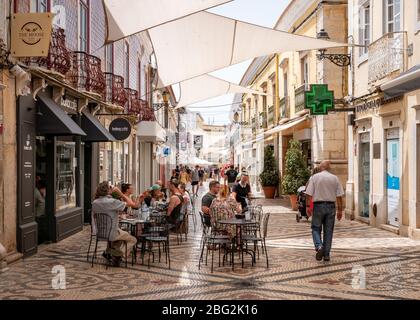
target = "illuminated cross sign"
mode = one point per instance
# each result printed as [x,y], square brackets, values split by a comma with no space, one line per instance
[319,99]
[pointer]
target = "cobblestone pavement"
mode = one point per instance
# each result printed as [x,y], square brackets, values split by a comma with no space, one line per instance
[391,264]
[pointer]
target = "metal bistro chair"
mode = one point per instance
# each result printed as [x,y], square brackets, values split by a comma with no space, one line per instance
[212,240]
[92,233]
[160,236]
[103,224]
[255,239]
[192,214]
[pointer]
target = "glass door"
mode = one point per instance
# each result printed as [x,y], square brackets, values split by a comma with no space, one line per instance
[393,177]
[364,176]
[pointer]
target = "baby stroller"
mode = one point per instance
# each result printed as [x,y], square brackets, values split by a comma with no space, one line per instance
[301,201]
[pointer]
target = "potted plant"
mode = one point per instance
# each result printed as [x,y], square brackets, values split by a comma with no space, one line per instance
[270,177]
[297,172]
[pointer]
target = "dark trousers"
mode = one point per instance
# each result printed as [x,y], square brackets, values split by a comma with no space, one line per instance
[323,219]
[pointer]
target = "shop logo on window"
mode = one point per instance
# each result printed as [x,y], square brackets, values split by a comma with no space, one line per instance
[28,146]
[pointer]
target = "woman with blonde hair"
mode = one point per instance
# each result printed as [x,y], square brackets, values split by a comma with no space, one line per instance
[222,208]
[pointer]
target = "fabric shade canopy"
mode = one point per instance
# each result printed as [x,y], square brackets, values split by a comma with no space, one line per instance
[127,17]
[205,42]
[95,131]
[197,161]
[53,121]
[206,87]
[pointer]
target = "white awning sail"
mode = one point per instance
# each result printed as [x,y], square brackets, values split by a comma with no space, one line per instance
[205,42]
[128,17]
[206,87]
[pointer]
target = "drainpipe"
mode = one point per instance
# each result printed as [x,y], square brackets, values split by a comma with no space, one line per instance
[3,252]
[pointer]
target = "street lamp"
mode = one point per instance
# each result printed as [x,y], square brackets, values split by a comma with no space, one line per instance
[341,60]
[165,104]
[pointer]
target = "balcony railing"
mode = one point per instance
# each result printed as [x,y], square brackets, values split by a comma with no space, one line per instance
[387,56]
[263,120]
[300,98]
[285,108]
[133,104]
[254,125]
[115,92]
[146,112]
[59,57]
[86,73]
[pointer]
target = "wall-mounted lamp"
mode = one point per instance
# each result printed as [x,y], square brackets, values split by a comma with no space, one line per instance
[341,60]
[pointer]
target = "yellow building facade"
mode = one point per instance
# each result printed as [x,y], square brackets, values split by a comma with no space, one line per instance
[281,116]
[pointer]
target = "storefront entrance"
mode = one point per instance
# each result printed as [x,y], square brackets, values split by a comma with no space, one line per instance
[364,175]
[393,184]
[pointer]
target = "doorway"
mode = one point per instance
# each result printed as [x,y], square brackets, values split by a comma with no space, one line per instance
[364,175]
[393,174]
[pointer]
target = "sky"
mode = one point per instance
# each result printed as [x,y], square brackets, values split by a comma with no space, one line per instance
[261,12]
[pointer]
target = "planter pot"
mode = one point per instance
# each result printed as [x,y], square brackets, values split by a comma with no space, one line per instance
[269,192]
[293,202]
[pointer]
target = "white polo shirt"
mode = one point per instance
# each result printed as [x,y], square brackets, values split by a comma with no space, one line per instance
[324,186]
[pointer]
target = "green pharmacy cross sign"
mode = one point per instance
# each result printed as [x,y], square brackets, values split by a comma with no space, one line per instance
[319,99]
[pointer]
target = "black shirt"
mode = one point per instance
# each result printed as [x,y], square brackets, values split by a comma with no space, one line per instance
[231,175]
[241,194]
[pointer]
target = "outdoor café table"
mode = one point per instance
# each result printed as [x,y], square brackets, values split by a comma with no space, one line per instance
[239,224]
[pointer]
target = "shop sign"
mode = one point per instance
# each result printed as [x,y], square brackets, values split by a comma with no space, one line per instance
[198,142]
[31,34]
[319,100]
[120,129]
[375,104]
[69,105]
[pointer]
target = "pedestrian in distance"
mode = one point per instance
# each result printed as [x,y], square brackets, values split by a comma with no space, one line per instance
[326,192]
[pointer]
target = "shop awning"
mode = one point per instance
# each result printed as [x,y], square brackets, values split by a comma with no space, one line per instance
[95,131]
[287,125]
[205,42]
[127,17]
[54,121]
[404,83]
[206,87]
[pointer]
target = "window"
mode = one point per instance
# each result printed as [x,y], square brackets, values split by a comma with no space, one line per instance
[139,79]
[392,16]
[305,70]
[126,64]
[418,15]
[40,6]
[66,175]
[109,58]
[286,85]
[364,28]
[83,27]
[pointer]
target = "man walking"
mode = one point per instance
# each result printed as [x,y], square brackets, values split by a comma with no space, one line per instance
[195,179]
[326,191]
[231,175]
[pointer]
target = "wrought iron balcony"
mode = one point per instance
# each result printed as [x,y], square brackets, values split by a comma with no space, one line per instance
[146,112]
[300,98]
[115,92]
[133,104]
[387,56]
[263,120]
[86,73]
[285,108]
[59,57]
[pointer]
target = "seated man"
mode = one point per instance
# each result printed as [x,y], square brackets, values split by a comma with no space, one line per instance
[207,200]
[105,203]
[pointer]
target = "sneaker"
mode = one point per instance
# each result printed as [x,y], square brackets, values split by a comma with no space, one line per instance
[319,253]
[116,261]
[106,255]
[327,258]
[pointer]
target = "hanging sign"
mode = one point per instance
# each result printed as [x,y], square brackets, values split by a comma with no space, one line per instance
[120,128]
[198,142]
[31,34]
[319,100]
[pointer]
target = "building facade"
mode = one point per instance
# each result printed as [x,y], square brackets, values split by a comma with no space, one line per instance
[281,116]
[383,185]
[58,115]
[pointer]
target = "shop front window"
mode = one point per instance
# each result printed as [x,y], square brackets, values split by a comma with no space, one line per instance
[66,175]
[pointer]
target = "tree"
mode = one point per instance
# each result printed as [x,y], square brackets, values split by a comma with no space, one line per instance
[297,172]
[270,177]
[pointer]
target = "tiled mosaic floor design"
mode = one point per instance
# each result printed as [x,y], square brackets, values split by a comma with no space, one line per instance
[392,268]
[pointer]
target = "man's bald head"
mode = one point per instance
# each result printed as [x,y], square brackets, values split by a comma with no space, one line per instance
[325,165]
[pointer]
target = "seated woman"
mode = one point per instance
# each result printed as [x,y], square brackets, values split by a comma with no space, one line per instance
[187,205]
[176,202]
[155,195]
[222,208]
[128,191]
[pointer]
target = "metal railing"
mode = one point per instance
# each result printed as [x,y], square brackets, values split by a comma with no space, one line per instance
[115,92]
[271,116]
[133,104]
[285,108]
[86,74]
[300,98]
[59,57]
[146,112]
[387,56]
